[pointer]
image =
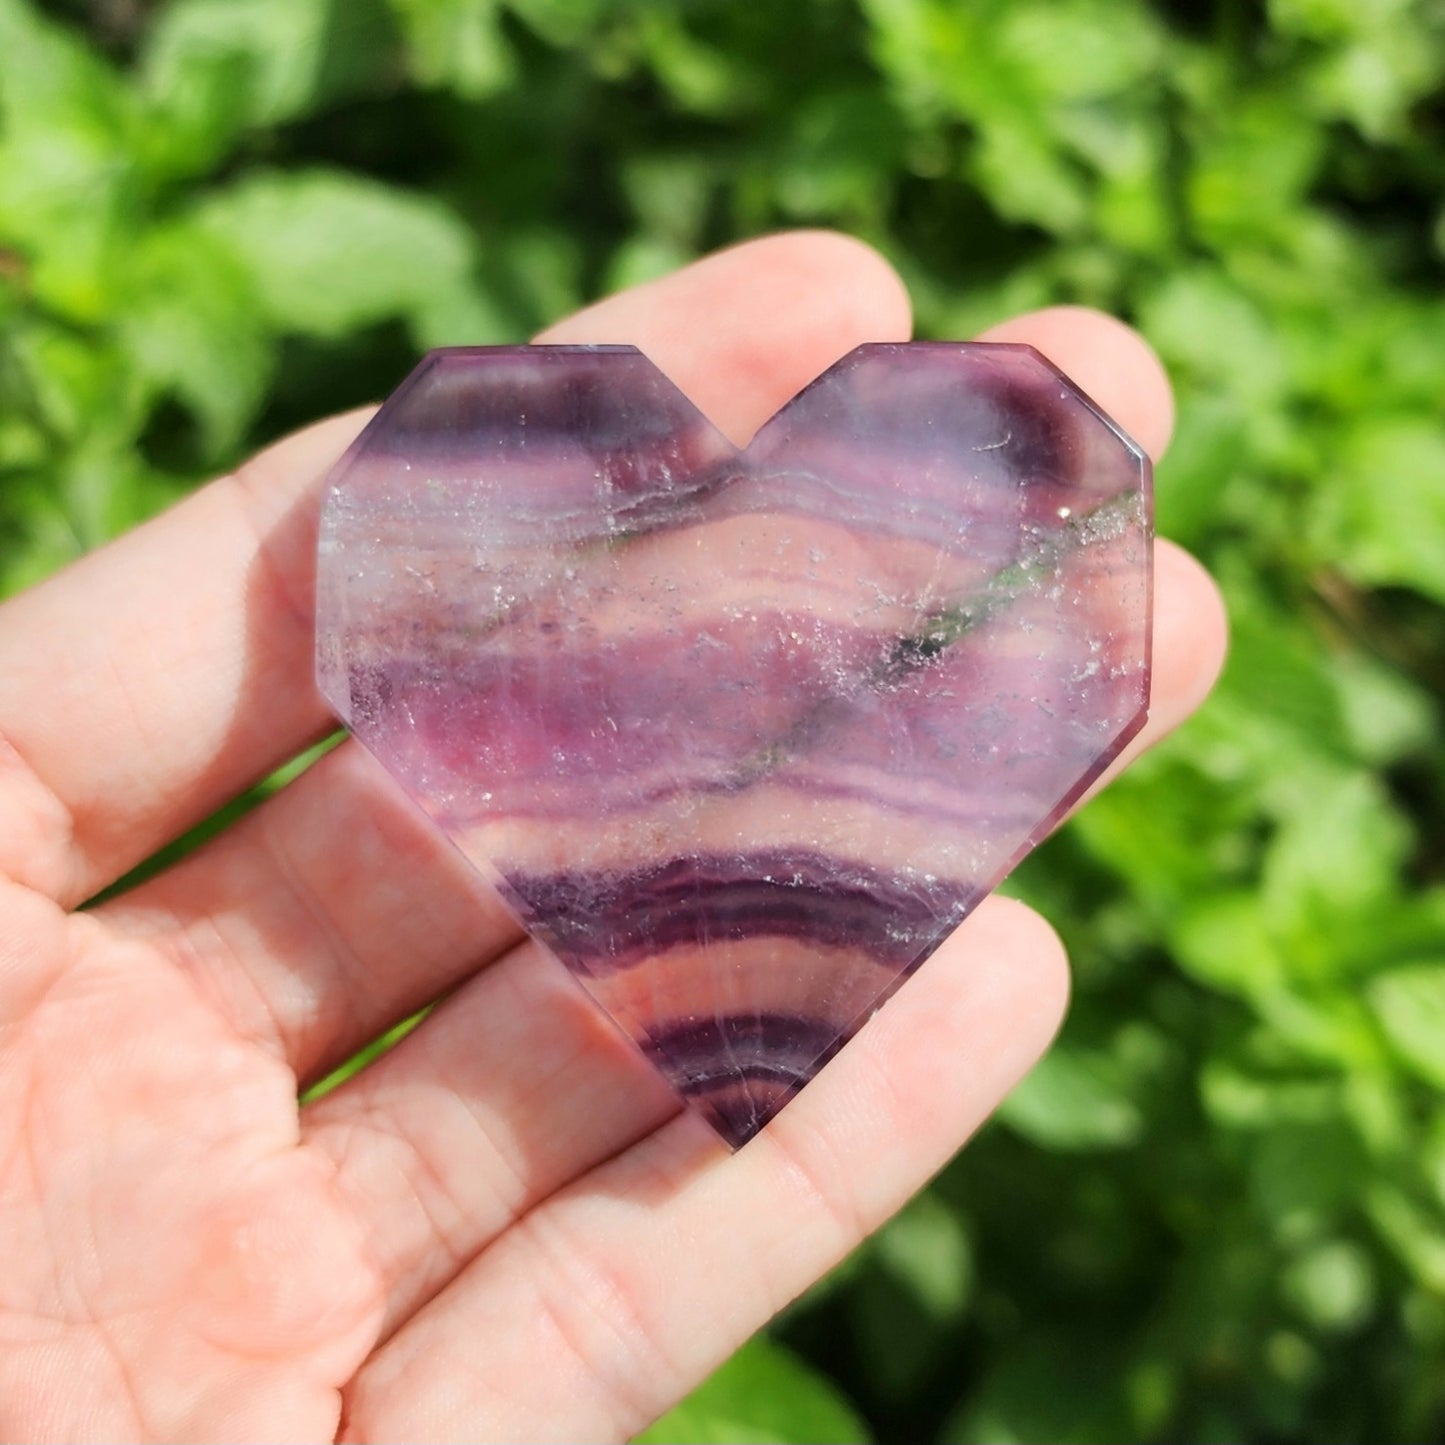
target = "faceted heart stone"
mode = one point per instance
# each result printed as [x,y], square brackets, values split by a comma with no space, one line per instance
[740,734]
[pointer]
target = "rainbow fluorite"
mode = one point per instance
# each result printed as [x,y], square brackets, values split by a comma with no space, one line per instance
[740,734]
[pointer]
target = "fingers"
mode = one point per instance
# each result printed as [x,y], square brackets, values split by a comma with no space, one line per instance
[612,1298]
[325,916]
[513,1086]
[187,644]
[331,911]
[159,676]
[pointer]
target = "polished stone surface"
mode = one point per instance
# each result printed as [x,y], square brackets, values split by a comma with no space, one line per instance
[740,735]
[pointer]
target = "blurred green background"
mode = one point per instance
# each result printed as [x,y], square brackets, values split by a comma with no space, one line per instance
[1217,1211]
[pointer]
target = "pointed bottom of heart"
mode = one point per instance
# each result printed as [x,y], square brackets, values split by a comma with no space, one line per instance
[737,1071]
[739,974]
[739,1110]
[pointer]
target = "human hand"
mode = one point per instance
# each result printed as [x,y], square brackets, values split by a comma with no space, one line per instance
[503,1229]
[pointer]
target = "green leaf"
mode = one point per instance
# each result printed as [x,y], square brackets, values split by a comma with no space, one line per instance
[1222,940]
[926,1250]
[1163,828]
[701,79]
[1210,439]
[563,22]
[1074,1100]
[764,1393]
[1236,1099]
[457,44]
[79,391]
[834,161]
[536,276]
[1209,325]
[215,69]
[1376,81]
[1276,719]
[917,1277]
[1388,713]
[70,142]
[1027,179]
[1414,1232]
[1251,169]
[193,329]
[641,259]
[1040,1390]
[1339,851]
[329,252]
[1389,520]
[1409,1003]
[1332,1285]
[1333,19]
[1031,82]
[1302,1176]
[1076,50]
[669,195]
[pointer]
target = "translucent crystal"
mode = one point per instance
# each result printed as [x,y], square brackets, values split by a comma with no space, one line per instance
[740,735]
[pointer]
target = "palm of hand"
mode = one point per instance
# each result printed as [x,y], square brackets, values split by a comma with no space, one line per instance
[203,1277]
[502,1229]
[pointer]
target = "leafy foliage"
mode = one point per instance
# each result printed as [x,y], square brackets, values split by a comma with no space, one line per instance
[1218,1211]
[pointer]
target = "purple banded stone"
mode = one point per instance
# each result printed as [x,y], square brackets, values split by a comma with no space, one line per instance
[740,734]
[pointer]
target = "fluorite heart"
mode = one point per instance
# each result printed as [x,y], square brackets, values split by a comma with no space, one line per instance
[740,735]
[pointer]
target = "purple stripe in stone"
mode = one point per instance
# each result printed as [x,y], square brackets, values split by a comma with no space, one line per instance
[601,921]
[739,1071]
[488,403]
[708,1053]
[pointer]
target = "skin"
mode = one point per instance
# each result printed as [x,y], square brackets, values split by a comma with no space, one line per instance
[504,1229]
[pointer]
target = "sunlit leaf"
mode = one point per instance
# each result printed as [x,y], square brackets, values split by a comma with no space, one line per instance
[1332,1285]
[329,252]
[1075,1100]
[72,146]
[1391,521]
[217,68]
[458,44]
[764,1393]
[193,329]
[1410,1004]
